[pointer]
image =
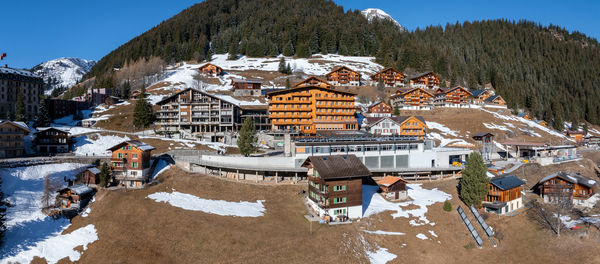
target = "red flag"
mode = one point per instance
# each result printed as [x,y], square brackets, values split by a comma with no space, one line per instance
[2,56]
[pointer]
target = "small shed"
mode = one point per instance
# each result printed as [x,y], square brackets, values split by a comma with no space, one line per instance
[74,197]
[90,176]
[394,188]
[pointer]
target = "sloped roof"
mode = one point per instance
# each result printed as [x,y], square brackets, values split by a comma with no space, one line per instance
[478,92]
[79,189]
[338,166]
[389,180]
[136,143]
[371,121]
[388,69]
[506,182]
[522,114]
[195,90]
[447,90]
[51,128]
[237,80]
[312,78]
[18,124]
[418,75]
[342,67]
[493,97]
[6,70]
[209,64]
[376,103]
[571,177]
[94,170]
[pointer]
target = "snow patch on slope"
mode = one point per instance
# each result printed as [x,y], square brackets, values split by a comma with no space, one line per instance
[63,72]
[219,207]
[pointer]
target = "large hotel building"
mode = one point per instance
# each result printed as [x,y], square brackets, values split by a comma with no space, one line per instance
[13,82]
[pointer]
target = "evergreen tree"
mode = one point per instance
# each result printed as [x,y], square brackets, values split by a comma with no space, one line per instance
[585,128]
[558,123]
[105,175]
[142,113]
[282,66]
[125,90]
[474,182]
[232,51]
[288,69]
[20,111]
[287,83]
[396,111]
[247,138]
[43,117]
[574,124]
[3,206]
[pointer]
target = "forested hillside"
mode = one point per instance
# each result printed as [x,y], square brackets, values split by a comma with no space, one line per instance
[551,72]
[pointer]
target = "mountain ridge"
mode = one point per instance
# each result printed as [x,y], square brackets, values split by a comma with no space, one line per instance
[62,72]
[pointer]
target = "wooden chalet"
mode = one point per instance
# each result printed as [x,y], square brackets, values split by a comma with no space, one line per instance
[428,80]
[452,97]
[246,87]
[12,138]
[541,123]
[576,135]
[504,194]
[335,186]
[525,116]
[393,188]
[479,96]
[313,81]
[343,76]
[130,163]
[210,69]
[562,186]
[390,77]
[90,176]
[495,100]
[74,197]
[379,109]
[52,140]
[412,98]
[414,126]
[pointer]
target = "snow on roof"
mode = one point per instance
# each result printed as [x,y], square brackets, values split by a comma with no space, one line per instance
[136,143]
[55,128]
[80,189]
[18,72]
[239,102]
[572,177]
[94,170]
[16,123]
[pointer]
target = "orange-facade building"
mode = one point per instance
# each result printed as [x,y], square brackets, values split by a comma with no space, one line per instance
[412,98]
[130,162]
[390,77]
[452,97]
[211,69]
[343,76]
[309,109]
[425,80]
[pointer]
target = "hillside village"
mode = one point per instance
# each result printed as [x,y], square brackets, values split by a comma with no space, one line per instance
[288,159]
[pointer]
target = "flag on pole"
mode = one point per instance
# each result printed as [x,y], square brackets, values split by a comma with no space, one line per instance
[2,56]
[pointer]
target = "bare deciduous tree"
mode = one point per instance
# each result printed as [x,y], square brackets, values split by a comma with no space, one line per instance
[549,215]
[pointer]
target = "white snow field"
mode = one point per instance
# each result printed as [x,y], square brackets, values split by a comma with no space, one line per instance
[380,256]
[373,203]
[381,232]
[84,145]
[26,225]
[57,247]
[219,207]
[422,236]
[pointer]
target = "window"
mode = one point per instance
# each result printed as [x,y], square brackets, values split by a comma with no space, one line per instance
[134,165]
[120,155]
[339,188]
[339,200]
[339,212]
[134,156]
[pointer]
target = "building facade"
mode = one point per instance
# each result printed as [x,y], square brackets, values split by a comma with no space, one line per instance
[14,82]
[12,139]
[52,140]
[309,109]
[504,194]
[452,97]
[211,69]
[130,163]
[390,77]
[428,80]
[379,109]
[412,99]
[335,186]
[58,108]
[563,186]
[343,76]
[313,81]
[413,126]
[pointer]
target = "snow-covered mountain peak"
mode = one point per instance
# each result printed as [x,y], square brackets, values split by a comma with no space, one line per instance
[371,13]
[63,72]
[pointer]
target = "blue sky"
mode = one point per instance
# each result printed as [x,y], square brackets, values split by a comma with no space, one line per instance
[37,31]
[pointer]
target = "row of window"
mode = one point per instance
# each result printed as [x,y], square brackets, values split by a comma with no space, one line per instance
[120,164]
[133,156]
[355,148]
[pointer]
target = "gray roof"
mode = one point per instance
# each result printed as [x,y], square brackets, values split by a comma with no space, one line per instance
[571,177]
[477,92]
[238,80]
[17,123]
[338,166]
[136,143]
[420,74]
[18,72]
[492,98]
[506,182]
[94,170]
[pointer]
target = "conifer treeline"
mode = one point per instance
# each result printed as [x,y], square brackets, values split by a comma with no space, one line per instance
[547,70]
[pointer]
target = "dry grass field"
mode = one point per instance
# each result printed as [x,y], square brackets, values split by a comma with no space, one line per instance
[135,229]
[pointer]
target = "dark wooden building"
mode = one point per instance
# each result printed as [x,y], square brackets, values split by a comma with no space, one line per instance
[58,108]
[52,140]
[504,194]
[90,176]
[562,185]
[390,77]
[211,69]
[335,185]
[379,109]
[394,188]
[74,197]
